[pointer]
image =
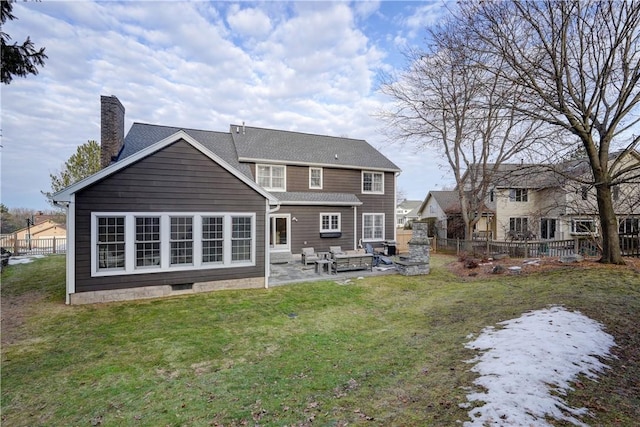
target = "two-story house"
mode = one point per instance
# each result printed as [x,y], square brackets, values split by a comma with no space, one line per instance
[552,202]
[541,202]
[407,211]
[184,210]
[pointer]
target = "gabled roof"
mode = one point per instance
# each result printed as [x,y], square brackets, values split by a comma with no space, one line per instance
[519,175]
[410,204]
[65,194]
[538,175]
[295,148]
[51,224]
[448,201]
[142,135]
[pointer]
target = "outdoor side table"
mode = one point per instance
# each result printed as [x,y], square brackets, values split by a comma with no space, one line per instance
[322,265]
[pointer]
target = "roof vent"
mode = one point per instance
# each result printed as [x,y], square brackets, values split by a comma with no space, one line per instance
[237,129]
[243,128]
[336,156]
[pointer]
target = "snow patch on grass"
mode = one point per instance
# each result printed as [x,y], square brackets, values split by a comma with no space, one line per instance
[527,365]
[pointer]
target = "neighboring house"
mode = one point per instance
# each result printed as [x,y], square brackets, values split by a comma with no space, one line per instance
[407,211]
[444,208]
[532,201]
[183,210]
[38,235]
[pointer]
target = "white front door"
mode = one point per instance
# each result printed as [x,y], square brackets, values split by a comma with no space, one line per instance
[279,235]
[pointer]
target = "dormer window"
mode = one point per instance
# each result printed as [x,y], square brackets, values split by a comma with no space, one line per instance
[373,182]
[271,177]
[315,178]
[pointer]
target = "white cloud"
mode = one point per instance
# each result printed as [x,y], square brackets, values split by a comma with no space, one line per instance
[249,22]
[307,66]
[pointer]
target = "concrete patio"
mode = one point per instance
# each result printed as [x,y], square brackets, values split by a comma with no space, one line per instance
[296,272]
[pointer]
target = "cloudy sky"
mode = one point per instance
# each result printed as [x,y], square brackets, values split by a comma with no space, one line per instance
[308,66]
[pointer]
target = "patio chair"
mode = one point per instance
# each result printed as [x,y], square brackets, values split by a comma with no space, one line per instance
[309,256]
[336,250]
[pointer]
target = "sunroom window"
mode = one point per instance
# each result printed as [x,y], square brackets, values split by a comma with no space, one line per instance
[140,243]
[147,241]
[241,238]
[181,240]
[110,238]
[212,239]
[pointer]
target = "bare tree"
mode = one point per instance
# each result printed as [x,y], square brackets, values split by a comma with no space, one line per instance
[576,65]
[443,101]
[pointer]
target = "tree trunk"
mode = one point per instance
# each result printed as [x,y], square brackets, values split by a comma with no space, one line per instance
[611,253]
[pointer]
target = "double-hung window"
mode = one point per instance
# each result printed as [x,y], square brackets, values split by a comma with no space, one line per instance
[181,240]
[147,241]
[329,222]
[212,239]
[241,238]
[142,243]
[271,177]
[315,178]
[373,182]
[518,195]
[583,226]
[518,225]
[372,226]
[629,225]
[110,237]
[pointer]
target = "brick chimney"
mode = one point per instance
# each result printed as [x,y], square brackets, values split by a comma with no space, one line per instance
[111,129]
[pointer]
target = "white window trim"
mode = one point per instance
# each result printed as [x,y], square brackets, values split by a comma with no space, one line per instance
[583,233]
[311,187]
[284,177]
[329,230]
[383,226]
[362,182]
[514,199]
[165,252]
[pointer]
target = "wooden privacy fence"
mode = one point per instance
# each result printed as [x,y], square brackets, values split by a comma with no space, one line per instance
[402,239]
[40,246]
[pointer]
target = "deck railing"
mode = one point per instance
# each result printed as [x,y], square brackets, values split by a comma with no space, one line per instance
[629,244]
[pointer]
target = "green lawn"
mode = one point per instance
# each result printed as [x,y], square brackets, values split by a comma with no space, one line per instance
[383,351]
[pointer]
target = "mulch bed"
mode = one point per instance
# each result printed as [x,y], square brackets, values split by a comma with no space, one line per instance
[476,268]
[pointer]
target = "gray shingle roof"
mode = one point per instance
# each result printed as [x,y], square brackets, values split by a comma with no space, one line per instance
[258,144]
[410,204]
[142,135]
[449,201]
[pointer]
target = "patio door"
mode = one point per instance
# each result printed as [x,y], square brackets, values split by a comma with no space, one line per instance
[279,236]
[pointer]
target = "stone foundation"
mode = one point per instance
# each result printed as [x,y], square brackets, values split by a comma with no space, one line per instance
[147,292]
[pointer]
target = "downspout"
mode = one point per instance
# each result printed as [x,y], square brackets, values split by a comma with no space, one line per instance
[395,206]
[267,226]
[355,227]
